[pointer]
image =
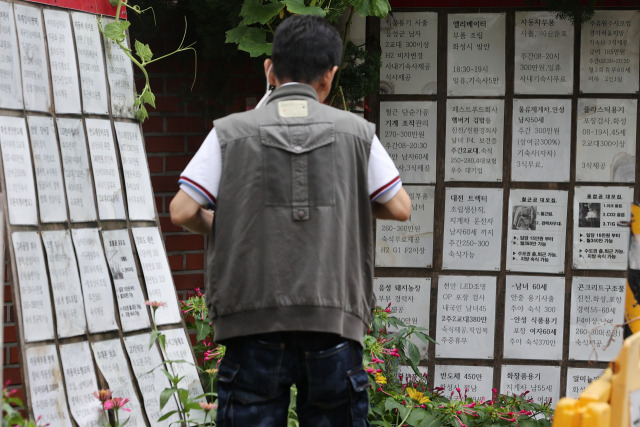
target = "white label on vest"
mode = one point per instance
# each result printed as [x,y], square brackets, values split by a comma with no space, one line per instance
[296,108]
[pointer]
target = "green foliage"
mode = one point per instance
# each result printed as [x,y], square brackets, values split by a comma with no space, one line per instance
[11,416]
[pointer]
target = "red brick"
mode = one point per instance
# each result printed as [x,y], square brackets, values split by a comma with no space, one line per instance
[188,281]
[160,205]
[10,333]
[7,293]
[153,124]
[177,163]
[164,144]
[184,242]
[195,261]
[156,164]
[170,103]
[14,356]
[165,183]
[176,262]
[167,226]
[11,374]
[194,142]
[185,124]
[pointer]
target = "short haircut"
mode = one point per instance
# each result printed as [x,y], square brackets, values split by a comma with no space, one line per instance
[304,48]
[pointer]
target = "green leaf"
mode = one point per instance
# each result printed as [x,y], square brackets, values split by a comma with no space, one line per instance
[235,35]
[256,43]
[142,115]
[378,8]
[116,30]
[414,353]
[430,421]
[143,51]
[203,328]
[253,11]
[149,98]
[183,395]
[167,415]
[165,395]
[298,6]
[391,403]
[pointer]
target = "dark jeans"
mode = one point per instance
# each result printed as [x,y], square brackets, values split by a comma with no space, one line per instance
[256,374]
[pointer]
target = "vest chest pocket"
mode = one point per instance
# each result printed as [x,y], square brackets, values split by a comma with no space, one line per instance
[298,166]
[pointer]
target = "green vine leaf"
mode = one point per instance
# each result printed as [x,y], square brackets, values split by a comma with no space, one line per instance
[149,98]
[379,8]
[116,30]
[298,6]
[143,51]
[255,42]
[253,11]
[235,35]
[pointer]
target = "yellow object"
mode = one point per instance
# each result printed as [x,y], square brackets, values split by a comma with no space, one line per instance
[632,308]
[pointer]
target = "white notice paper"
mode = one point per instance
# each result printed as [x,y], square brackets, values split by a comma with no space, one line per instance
[131,303]
[37,317]
[474,140]
[80,377]
[46,161]
[541,140]
[33,58]
[105,169]
[410,243]
[65,283]
[157,274]
[408,132]
[91,63]
[178,347]
[609,50]
[96,284]
[409,60]
[534,317]
[46,390]
[476,54]
[606,147]
[114,368]
[77,177]
[466,317]
[579,378]
[460,382]
[64,70]
[599,243]
[543,382]
[137,182]
[10,78]
[472,229]
[538,220]
[120,75]
[543,54]
[18,175]
[597,304]
[408,299]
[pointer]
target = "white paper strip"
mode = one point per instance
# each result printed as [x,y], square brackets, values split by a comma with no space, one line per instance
[476,54]
[18,174]
[140,200]
[64,69]
[579,378]
[131,303]
[65,283]
[77,178]
[543,54]
[534,317]
[10,78]
[120,75]
[472,229]
[597,304]
[542,382]
[541,141]
[46,390]
[96,284]
[408,41]
[408,244]
[33,58]
[464,381]
[35,300]
[466,317]
[80,378]
[408,132]
[46,161]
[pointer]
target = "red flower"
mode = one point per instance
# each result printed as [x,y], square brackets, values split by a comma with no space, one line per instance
[116,403]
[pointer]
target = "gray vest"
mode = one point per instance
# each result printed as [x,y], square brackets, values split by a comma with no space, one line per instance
[292,246]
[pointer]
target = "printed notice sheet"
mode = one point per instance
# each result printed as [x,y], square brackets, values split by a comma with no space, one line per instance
[472,229]
[537,227]
[409,243]
[475,382]
[542,382]
[534,317]
[120,75]
[10,78]
[46,390]
[597,304]
[408,298]
[609,49]
[606,140]
[541,140]
[409,60]
[80,377]
[543,54]
[466,317]
[599,243]
[474,140]
[408,132]
[476,54]
[579,378]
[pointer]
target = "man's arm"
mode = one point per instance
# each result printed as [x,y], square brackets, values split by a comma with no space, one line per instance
[188,213]
[398,207]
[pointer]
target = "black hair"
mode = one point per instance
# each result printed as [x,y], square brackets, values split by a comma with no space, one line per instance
[304,48]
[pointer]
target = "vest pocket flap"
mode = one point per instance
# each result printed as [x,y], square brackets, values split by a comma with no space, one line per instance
[298,138]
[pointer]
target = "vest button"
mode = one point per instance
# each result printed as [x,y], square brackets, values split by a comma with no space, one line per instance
[300,214]
[297,148]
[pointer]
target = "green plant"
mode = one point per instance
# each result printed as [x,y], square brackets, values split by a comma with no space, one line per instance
[11,415]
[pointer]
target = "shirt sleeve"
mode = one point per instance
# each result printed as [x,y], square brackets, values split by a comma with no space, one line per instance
[383,176]
[201,178]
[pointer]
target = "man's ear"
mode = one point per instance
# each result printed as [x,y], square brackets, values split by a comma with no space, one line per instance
[268,72]
[327,79]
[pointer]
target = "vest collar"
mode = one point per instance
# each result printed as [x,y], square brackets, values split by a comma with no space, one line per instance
[298,89]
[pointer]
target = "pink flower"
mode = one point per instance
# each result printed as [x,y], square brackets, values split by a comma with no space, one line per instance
[116,403]
[103,395]
[155,304]
[208,406]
